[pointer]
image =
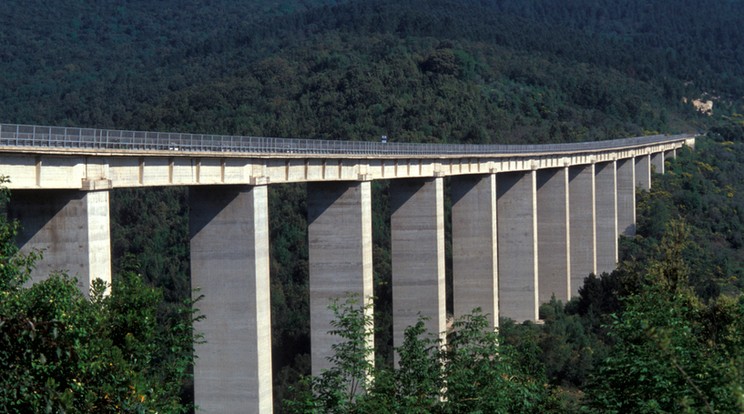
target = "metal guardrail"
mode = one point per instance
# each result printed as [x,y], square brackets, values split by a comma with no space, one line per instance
[13,135]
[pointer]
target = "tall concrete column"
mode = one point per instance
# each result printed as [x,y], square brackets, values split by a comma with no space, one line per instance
[229,230]
[417,243]
[554,243]
[71,228]
[671,154]
[517,245]
[643,172]
[657,162]
[583,222]
[340,257]
[626,196]
[606,210]
[474,249]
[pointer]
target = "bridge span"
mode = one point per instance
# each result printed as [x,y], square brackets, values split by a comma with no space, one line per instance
[528,222]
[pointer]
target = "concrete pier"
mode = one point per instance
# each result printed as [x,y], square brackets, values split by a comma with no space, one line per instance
[417,244]
[643,172]
[626,195]
[340,257]
[474,248]
[583,224]
[657,162]
[553,234]
[230,267]
[670,154]
[606,216]
[517,245]
[71,229]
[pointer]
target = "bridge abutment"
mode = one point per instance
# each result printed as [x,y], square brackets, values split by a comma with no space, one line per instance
[229,230]
[71,228]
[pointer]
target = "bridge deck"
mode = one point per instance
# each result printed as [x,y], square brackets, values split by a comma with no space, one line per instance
[80,158]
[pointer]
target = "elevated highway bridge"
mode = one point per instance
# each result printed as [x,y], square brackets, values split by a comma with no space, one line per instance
[528,222]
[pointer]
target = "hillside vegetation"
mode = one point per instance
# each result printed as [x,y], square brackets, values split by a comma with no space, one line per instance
[489,71]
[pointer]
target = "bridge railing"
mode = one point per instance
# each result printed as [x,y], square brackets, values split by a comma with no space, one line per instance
[14,135]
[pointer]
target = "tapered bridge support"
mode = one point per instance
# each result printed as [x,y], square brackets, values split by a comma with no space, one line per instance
[70,228]
[517,245]
[657,162]
[554,242]
[626,197]
[230,267]
[643,172]
[606,211]
[340,258]
[669,155]
[474,248]
[583,222]
[417,244]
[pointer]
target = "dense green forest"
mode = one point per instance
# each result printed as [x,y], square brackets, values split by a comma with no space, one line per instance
[490,71]
[498,71]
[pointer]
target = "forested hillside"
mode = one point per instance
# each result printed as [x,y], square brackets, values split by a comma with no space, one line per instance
[489,71]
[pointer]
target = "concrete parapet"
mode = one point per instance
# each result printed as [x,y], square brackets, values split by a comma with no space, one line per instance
[230,266]
[517,245]
[340,257]
[417,248]
[71,229]
[474,246]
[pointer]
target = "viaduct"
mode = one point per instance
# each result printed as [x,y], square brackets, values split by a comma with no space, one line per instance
[528,222]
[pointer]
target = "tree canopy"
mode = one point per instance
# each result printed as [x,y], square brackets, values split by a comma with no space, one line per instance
[64,351]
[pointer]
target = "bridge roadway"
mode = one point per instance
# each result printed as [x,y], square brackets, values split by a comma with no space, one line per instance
[528,222]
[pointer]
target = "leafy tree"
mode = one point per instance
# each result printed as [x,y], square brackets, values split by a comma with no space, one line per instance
[15,268]
[338,389]
[415,385]
[471,373]
[664,358]
[568,345]
[61,351]
[482,376]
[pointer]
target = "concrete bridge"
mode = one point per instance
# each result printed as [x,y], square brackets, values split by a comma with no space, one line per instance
[528,222]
